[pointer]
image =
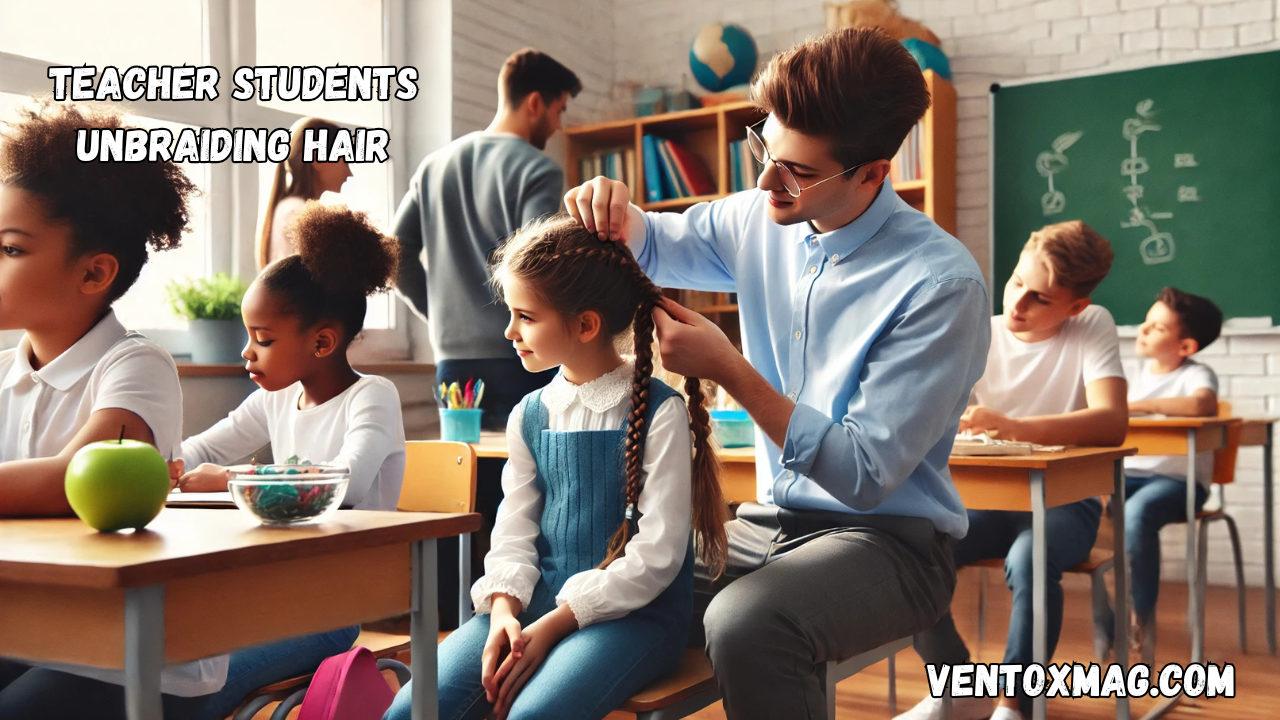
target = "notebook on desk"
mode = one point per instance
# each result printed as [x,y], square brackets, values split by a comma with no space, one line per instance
[985,445]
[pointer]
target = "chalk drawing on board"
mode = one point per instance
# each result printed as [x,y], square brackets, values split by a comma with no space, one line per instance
[1187,193]
[1158,247]
[1185,160]
[1049,164]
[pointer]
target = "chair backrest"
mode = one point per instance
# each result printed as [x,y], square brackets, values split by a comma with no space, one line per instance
[438,477]
[1224,459]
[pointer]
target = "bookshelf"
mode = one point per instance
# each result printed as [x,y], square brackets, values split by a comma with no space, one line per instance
[708,133]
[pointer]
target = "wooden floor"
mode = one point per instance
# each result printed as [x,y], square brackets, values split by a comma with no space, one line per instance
[865,695]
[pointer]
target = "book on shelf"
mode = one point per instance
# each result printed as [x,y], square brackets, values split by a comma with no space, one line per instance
[908,163]
[616,164]
[672,171]
[672,184]
[693,175]
[652,173]
[744,169]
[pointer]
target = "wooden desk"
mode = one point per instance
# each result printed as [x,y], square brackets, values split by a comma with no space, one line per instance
[199,583]
[1040,481]
[738,479]
[1182,436]
[1257,431]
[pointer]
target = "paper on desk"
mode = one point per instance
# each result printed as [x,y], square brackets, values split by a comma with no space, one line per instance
[983,444]
[208,499]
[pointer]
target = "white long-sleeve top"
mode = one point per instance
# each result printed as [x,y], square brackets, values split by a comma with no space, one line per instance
[654,554]
[361,428]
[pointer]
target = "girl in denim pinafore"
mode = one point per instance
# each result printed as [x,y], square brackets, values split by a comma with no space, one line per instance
[588,589]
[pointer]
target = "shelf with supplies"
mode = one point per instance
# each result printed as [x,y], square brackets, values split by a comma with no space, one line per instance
[700,155]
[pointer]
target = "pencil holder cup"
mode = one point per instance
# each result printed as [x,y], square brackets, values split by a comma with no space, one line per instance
[733,428]
[460,425]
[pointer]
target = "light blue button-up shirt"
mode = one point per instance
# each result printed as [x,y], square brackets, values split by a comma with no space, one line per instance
[877,331]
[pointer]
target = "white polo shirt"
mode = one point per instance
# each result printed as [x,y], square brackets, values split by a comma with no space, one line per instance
[42,410]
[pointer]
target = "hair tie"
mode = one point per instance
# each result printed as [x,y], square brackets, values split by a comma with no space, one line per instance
[633,519]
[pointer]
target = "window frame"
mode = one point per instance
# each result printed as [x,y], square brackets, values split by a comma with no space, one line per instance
[229,37]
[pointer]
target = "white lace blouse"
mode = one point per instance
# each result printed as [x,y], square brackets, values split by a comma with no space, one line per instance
[654,554]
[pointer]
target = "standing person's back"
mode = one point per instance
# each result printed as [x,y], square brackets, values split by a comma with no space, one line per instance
[469,197]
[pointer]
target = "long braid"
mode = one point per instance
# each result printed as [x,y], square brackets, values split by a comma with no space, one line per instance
[710,511]
[637,428]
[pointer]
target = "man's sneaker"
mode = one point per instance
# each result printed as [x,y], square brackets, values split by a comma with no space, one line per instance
[1006,713]
[968,708]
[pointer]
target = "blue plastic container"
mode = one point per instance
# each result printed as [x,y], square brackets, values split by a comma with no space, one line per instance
[733,428]
[460,425]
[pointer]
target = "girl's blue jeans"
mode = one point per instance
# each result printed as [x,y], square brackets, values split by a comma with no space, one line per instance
[587,676]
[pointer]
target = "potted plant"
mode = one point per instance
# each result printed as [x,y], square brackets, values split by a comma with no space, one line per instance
[212,309]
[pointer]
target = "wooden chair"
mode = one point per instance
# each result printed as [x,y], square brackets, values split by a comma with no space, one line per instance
[693,686]
[438,477]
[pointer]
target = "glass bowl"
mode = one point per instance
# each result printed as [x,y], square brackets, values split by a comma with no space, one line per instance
[289,494]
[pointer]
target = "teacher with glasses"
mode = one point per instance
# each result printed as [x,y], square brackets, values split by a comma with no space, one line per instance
[864,327]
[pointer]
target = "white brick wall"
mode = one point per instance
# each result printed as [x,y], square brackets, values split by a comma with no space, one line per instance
[486,32]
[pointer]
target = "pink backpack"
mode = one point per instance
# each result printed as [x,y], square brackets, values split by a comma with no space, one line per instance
[347,687]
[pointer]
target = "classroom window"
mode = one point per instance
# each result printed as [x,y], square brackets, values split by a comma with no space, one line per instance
[142,32]
[322,33]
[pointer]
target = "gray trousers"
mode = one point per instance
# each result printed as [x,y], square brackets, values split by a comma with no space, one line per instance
[803,588]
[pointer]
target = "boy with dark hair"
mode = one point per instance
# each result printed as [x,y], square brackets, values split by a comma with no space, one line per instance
[1053,377]
[1178,326]
[864,326]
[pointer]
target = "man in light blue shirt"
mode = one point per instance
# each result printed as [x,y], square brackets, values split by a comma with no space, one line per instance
[864,327]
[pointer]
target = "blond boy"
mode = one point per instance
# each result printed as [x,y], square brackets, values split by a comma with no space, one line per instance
[1053,376]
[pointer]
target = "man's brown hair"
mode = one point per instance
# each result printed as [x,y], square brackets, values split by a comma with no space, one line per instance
[1078,257]
[1199,318]
[857,88]
[529,71]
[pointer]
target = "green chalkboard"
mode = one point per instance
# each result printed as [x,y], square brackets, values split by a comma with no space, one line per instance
[1177,165]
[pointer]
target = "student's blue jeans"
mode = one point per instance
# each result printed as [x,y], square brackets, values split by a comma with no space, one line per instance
[587,676]
[1150,504]
[1070,531]
[254,667]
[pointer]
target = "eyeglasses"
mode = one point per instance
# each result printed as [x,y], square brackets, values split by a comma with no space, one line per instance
[789,181]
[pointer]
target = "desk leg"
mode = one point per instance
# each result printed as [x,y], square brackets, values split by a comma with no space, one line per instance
[1121,570]
[1039,598]
[143,652]
[1195,616]
[464,578]
[1268,539]
[424,627]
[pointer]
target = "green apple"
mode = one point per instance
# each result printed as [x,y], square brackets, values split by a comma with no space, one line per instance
[117,484]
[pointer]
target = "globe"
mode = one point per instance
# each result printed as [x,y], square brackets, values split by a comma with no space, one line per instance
[722,56]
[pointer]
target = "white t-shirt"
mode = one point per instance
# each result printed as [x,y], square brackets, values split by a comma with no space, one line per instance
[42,410]
[361,427]
[1049,377]
[657,550]
[1183,382]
